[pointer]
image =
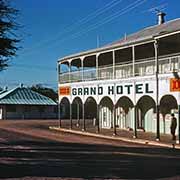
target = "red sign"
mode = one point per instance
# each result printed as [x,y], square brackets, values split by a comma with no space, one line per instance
[174,85]
[65,91]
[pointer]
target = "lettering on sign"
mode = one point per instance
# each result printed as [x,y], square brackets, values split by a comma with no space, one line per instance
[174,85]
[65,91]
[111,90]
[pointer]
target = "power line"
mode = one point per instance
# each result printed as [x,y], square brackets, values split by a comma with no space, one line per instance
[104,21]
[82,21]
[98,12]
[160,7]
[108,19]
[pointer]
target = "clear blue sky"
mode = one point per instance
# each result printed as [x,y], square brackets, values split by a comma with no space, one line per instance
[56,28]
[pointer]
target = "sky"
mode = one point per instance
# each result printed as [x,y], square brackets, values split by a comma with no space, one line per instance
[52,29]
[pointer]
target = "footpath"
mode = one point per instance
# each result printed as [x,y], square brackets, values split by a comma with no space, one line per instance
[124,135]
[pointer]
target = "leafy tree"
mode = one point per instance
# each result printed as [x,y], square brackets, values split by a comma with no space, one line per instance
[45,91]
[8,38]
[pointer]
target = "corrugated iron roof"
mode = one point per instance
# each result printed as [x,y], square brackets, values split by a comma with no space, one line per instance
[24,96]
[165,28]
[143,35]
[3,91]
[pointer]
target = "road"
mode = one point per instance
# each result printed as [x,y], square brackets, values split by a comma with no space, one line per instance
[28,150]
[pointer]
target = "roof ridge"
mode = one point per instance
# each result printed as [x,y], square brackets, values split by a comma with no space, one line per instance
[143,30]
[166,22]
[6,93]
[122,41]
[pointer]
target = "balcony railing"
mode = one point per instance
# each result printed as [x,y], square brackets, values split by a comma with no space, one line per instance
[143,68]
[105,73]
[124,71]
[89,74]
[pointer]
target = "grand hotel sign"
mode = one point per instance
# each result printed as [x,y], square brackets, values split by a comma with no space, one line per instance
[112,89]
[119,89]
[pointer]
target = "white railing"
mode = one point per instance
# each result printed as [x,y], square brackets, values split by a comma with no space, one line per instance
[124,71]
[64,78]
[105,72]
[89,74]
[168,65]
[76,76]
[142,68]
[145,68]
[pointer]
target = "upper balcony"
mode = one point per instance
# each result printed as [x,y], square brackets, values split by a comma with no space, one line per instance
[131,61]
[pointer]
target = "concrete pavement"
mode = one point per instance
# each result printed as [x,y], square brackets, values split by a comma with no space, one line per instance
[142,140]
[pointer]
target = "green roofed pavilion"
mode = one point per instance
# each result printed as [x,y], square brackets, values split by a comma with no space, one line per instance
[24,103]
[24,96]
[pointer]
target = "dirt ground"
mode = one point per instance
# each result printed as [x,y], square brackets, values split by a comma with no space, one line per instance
[29,150]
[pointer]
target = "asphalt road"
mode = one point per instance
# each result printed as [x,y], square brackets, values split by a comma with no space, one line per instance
[28,150]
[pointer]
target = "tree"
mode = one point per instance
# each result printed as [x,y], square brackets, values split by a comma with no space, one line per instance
[45,91]
[8,38]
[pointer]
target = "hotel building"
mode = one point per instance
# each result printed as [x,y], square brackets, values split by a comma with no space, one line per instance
[132,83]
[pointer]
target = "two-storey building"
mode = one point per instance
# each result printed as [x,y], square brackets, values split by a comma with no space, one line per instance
[132,83]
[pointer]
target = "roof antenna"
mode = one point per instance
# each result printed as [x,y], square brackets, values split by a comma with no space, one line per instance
[97,41]
[125,36]
[159,12]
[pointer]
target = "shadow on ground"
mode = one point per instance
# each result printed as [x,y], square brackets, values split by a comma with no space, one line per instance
[42,158]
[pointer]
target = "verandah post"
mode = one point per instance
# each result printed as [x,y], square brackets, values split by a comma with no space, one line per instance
[84,123]
[157,89]
[70,114]
[135,122]
[59,113]
[97,119]
[114,118]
